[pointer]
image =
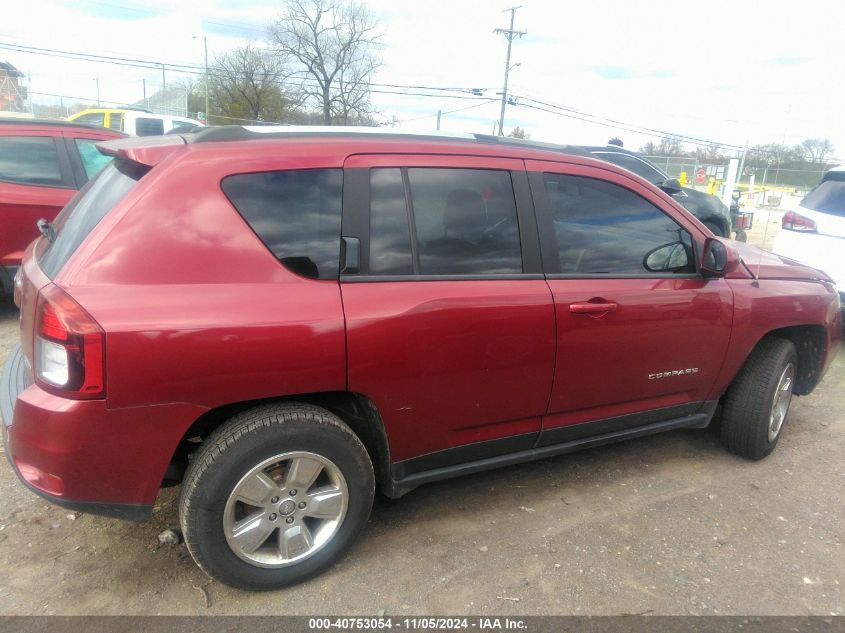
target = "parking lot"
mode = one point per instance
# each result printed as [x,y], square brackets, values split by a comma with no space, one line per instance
[671,524]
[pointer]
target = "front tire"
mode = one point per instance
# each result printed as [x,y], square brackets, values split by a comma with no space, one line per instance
[757,403]
[275,496]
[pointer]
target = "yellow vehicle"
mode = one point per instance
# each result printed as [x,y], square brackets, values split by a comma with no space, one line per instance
[134,121]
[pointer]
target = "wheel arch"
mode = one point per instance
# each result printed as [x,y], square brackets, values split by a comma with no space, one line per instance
[810,344]
[354,409]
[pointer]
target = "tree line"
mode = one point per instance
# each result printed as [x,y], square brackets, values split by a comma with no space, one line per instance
[314,68]
[812,154]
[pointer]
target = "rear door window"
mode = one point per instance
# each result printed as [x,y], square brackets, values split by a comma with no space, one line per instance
[296,214]
[453,222]
[30,160]
[85,211]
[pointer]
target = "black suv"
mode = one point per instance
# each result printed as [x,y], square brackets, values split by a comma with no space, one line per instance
[707,208]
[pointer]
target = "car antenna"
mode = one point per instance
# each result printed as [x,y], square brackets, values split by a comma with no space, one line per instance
[756,282]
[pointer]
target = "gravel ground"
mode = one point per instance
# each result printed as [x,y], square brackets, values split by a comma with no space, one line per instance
[670,524]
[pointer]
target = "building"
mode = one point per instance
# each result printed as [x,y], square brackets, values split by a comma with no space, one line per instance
[12,93]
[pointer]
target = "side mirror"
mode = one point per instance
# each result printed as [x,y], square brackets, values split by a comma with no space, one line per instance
[671,186]
[719,257]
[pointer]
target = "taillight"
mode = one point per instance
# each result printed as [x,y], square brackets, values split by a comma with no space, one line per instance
[69,358]
[796,222]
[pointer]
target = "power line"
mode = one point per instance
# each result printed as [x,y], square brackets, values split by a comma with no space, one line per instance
[431,116]
[198,69]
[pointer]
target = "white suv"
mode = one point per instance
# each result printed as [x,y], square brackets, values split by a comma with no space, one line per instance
[814,233]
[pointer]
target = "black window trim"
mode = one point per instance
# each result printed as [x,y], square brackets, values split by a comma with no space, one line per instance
[356,223]
[63,158]
[548,239]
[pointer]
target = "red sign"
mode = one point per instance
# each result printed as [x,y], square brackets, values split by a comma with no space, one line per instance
[700,177]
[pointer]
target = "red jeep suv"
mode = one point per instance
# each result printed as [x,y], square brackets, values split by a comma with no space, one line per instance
[42,164]
[283,320]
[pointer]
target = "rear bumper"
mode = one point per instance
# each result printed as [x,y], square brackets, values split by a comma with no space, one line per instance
[80,454]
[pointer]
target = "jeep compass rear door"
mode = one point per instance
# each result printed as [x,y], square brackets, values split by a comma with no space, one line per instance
[450,324]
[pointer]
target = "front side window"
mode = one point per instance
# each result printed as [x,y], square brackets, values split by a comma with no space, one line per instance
[30,160]
[604,229]
[456,222]
[92,160]
[296,214]
[92,118]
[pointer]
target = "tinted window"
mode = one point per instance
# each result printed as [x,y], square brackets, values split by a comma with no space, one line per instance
[602,228]
[827,197]
[633,164]
[465,221]
[390,237]
[94,118]
[296,214]
[92,160]
[29,159]
[145,126]
[85,211]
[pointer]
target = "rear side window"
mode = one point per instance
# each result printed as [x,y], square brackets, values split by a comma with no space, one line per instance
[145,126]
[30,160]
[455,222]
[85,211]
[602,228]
[296,214]
[828,196]
[116,121]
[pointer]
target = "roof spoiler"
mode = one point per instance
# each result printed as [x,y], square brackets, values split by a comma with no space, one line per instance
[144,150]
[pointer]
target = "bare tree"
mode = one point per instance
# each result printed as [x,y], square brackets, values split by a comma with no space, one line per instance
[816,149]
[331,46]
[520,133]
[246,83]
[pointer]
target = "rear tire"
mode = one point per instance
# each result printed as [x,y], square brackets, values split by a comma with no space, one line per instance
[275,496]
[756,405]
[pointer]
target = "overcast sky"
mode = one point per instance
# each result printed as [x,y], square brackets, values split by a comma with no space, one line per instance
[733,72]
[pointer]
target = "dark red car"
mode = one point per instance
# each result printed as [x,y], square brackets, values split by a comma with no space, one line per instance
[284,321]
[42,164]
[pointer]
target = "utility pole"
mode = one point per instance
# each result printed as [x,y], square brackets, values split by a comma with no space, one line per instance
[144,88]
[97,81]
[163,84]
[205,46]
[509,33]
[438,120]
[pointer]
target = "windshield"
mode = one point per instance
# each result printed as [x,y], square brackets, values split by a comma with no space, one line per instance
[85,211]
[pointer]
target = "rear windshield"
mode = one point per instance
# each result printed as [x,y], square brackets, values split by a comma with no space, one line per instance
[828,196]
[85,211]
